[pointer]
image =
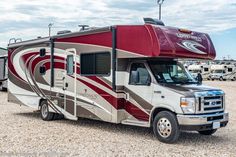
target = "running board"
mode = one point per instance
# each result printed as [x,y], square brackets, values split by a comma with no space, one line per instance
[135,123]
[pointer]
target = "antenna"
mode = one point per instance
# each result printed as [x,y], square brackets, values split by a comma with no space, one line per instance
[50,28]
[160,2]
[83,27]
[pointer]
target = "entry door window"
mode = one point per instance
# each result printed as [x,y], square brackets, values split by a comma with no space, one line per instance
[70,65]
[139,75]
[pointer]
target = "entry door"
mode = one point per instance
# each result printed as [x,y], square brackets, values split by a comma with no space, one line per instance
[139,90]
[70,82]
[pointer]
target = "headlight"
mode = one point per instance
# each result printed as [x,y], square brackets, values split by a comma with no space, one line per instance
[188,105]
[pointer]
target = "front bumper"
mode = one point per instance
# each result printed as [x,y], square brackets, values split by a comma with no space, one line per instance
[216,77]
[202,122]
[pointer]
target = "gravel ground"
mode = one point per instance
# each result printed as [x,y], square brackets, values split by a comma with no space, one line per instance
[23,133]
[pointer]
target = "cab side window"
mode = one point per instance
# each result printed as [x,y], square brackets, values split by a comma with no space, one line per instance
[139,75]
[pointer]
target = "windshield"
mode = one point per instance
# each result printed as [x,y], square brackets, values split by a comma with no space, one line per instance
[195,71]
[218,71]
[171,73]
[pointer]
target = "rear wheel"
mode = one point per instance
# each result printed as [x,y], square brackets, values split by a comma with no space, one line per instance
[44,111]
[165,127]
[207,132]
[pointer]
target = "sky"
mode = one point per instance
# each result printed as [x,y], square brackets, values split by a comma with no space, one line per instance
[28,19]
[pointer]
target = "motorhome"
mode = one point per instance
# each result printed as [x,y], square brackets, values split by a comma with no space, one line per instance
[3,69]
[126,74]
[223,72]
[203,69]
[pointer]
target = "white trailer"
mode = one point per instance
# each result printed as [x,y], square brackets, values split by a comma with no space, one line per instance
[223,72]
[3,69]
[203,69]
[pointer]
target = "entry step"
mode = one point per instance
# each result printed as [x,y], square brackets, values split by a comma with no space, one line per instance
[135,123]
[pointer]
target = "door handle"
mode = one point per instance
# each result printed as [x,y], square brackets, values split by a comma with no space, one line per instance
[127,96]
[65,86]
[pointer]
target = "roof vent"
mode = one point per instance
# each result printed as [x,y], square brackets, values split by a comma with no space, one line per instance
[153,21]
[63,32]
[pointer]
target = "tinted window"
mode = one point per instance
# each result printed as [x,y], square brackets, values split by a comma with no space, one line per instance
[139,75]
[42,52]
[42,70]
[230,69]
[206,69]
[96,63]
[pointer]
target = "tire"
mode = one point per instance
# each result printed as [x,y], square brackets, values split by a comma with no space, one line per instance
[221,79]
[44,112]
[166,127]
[58,116]
[207,132]
[4,89]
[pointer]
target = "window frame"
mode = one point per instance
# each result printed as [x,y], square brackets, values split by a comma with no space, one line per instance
[98,52]
[130,68]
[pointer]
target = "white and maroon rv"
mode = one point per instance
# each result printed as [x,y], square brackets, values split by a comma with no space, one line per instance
[3,69]
[126,74]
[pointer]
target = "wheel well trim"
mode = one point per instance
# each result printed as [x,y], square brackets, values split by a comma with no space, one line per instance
[40,100]
[161,108]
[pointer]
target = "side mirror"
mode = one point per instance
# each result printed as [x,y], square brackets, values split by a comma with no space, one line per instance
[134,79]
[149,80]
[199,81]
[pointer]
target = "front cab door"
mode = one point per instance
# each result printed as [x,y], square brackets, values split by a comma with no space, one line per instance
[139,91]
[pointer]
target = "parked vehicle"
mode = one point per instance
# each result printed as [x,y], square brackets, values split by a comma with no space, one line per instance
[203,69]
[223,72]
[125,74]
[3,69]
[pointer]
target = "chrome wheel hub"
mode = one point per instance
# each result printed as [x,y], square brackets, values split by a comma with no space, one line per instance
[44,110]
[164,127]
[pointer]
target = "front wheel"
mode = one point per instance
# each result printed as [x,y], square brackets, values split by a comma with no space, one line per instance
[207,132]
[44,111]
[165,127]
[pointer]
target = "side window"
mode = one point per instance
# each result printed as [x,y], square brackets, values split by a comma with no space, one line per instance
[70,65]
[42,70]
[42,52]
[139,75]
[96,64]
[230,69]
[206,69]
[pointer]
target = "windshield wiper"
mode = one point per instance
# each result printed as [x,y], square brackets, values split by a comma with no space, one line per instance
[188,81]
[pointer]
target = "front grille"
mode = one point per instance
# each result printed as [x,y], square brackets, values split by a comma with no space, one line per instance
[209,102]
